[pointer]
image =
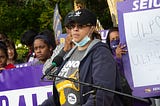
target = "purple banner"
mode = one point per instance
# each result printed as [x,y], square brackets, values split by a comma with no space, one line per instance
[23,87]
[139,27]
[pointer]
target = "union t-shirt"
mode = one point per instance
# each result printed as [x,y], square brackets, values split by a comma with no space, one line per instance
[68,90]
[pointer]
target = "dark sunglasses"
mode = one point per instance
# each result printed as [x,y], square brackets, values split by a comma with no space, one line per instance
[79,26]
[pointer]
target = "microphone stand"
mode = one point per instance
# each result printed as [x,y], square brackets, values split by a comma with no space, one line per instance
[101,88]
[93,92]
[49,73]
[94,96]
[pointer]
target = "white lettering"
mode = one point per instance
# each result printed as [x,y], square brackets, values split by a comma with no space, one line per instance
[150,4]
[73,64]
[135,4]
[13,95]
[64,72]
[69,64]
[144,4]
[156,89]
[76,64]
[156,4]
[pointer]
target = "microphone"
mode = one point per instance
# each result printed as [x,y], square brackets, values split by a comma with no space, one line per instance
[57,61]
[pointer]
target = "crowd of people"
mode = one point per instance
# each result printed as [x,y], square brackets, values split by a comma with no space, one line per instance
[40,48]
[85,59]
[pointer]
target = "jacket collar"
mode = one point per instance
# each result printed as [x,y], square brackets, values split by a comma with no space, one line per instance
[95,41]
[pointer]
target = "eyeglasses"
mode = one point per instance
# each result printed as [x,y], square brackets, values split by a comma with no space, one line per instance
[79,26]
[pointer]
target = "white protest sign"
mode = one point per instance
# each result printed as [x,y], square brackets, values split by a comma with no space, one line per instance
[139,27]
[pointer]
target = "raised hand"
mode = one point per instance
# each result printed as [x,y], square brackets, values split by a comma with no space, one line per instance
[120,50]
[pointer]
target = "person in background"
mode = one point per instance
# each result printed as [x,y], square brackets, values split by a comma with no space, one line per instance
[117,49]
[4,57]
[113,40]
[43,48]
[92,62]
[61,49]
[50,35]
[12,53]
[67,45]
[27,39]
[3,36]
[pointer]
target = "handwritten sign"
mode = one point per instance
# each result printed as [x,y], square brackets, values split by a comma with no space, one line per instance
[139,25]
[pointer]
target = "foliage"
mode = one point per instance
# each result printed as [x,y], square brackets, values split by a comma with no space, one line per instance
[17,16]
[101,9]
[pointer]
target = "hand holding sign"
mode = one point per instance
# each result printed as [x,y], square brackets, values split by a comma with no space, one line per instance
[139,23]
[120,50]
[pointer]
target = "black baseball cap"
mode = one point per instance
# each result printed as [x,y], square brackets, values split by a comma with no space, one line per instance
[84,17]
[68,18]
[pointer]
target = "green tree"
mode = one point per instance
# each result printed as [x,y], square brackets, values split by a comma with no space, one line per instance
[17,16]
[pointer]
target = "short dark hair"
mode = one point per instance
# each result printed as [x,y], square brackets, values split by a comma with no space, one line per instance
[27,37]
[110,30]
[45,39]
[51,37]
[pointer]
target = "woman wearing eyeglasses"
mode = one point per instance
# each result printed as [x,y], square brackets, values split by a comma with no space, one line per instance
[89,61]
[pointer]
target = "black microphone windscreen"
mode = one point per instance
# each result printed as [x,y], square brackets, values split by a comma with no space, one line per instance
[58,60]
